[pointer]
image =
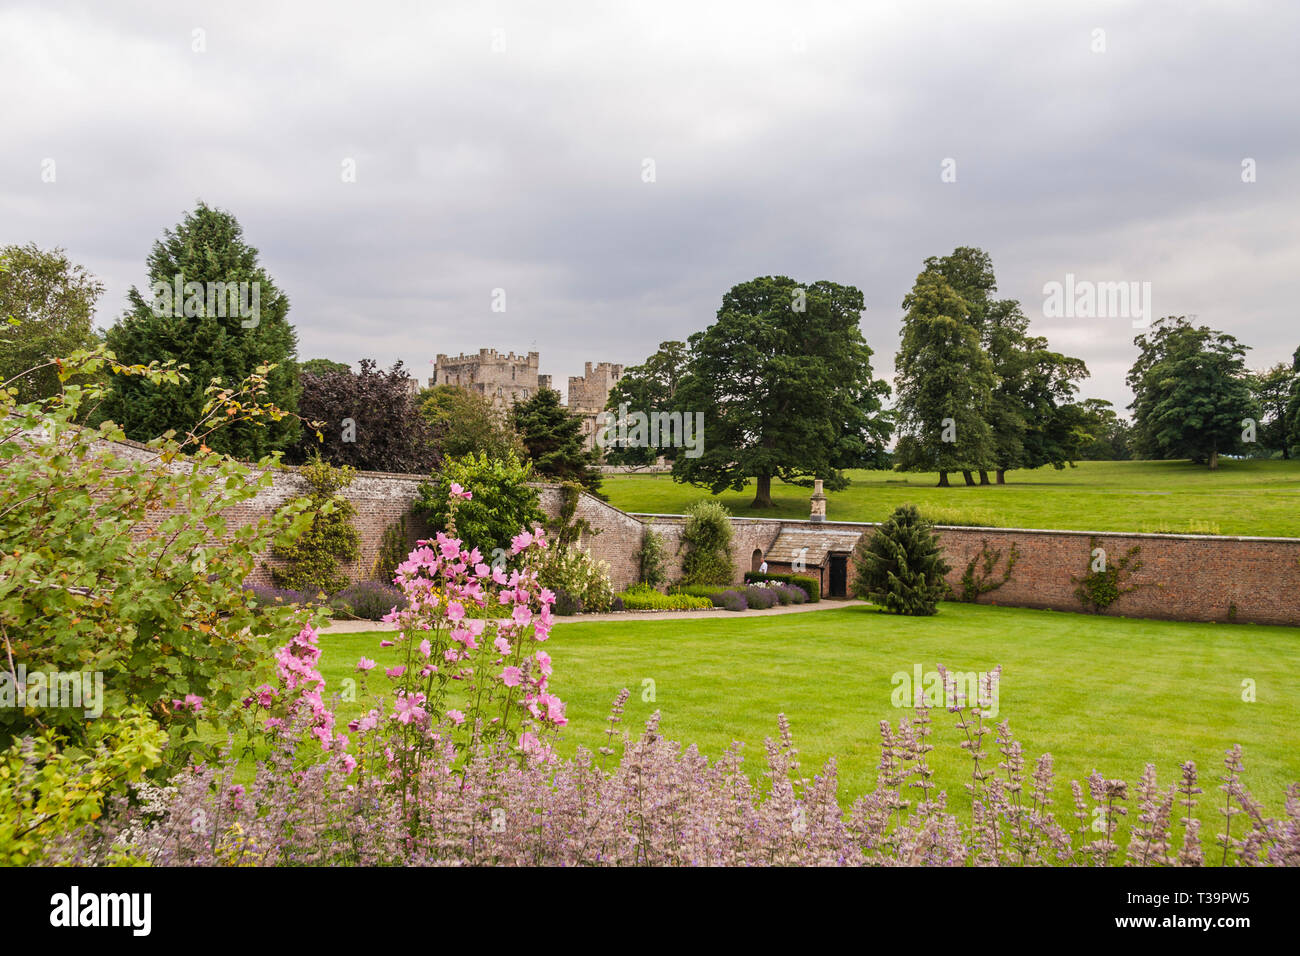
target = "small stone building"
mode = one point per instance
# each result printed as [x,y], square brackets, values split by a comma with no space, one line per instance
[821,552]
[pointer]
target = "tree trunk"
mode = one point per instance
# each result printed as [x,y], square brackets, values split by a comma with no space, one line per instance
[943,479]
[1002,476]
[1214,460]
[984,477]
[763,494]
[970,479]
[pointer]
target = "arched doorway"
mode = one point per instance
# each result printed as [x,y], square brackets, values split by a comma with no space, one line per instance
[755,559]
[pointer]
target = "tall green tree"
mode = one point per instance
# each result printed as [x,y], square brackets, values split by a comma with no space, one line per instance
[48,302]
[945,385]
[367,420]
[783,381]
[322,366]
[465,423]
[649,387]
[1293,406]
[229,318]
[1032,413]
[1108,437]
[1191,392]
[1274,390]
[552,436]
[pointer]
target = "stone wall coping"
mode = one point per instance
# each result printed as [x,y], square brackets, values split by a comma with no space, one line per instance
[812,525]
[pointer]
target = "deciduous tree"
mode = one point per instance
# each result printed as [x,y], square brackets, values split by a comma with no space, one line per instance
[783,381]
[1191,392]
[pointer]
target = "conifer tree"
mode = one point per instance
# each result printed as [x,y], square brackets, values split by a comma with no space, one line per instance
[209,305]
[552,436]
[901,566]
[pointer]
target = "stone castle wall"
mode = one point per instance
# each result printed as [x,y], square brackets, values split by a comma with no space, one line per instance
[501,379]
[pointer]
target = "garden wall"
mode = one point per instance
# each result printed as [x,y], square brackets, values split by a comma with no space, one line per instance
[1183,577]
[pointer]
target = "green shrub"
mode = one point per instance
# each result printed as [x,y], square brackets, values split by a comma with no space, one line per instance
[901,565]
[811,586]
[575,572]
[707,540]
[653,559]
[699,590]
[394,548]
[502,502]
[311,563]
[108,563]
[643,598]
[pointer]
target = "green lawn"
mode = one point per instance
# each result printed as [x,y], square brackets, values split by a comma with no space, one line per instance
[1101,693]
[1243,497]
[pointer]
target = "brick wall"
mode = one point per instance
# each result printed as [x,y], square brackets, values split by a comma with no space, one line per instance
[1183,577]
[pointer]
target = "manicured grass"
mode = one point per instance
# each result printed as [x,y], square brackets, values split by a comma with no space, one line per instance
[1103,693]
[1243,497]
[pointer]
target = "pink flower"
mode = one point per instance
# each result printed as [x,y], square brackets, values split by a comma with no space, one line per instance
[460,492]
[512,676]
[385,643]
[521,614]
[502,645]
[408,708]
[425,647]
[191,702]
[456,717]
[455,611]
[520,541]
[395,672]
[365,664]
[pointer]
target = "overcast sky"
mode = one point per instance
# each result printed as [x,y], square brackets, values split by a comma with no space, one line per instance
[504,145]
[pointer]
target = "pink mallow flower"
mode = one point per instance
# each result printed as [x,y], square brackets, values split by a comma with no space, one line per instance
[365,664]
[512,676]
[456,717]
[409,709]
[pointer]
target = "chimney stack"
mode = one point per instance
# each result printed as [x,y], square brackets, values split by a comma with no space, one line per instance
[818,502]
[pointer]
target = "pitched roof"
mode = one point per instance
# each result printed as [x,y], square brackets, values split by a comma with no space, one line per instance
[819,542]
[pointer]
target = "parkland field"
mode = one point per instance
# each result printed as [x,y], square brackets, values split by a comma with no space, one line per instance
[1250,497]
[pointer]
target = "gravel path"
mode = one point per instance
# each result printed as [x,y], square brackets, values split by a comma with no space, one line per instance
[352,627]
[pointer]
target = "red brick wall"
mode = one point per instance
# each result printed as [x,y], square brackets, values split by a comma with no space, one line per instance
[1183,577]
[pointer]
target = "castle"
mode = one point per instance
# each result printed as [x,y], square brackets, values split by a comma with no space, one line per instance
[501,379]
[506,379]
[588,394]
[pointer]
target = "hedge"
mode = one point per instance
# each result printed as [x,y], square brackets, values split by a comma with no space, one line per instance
[645,599]
[811,586]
